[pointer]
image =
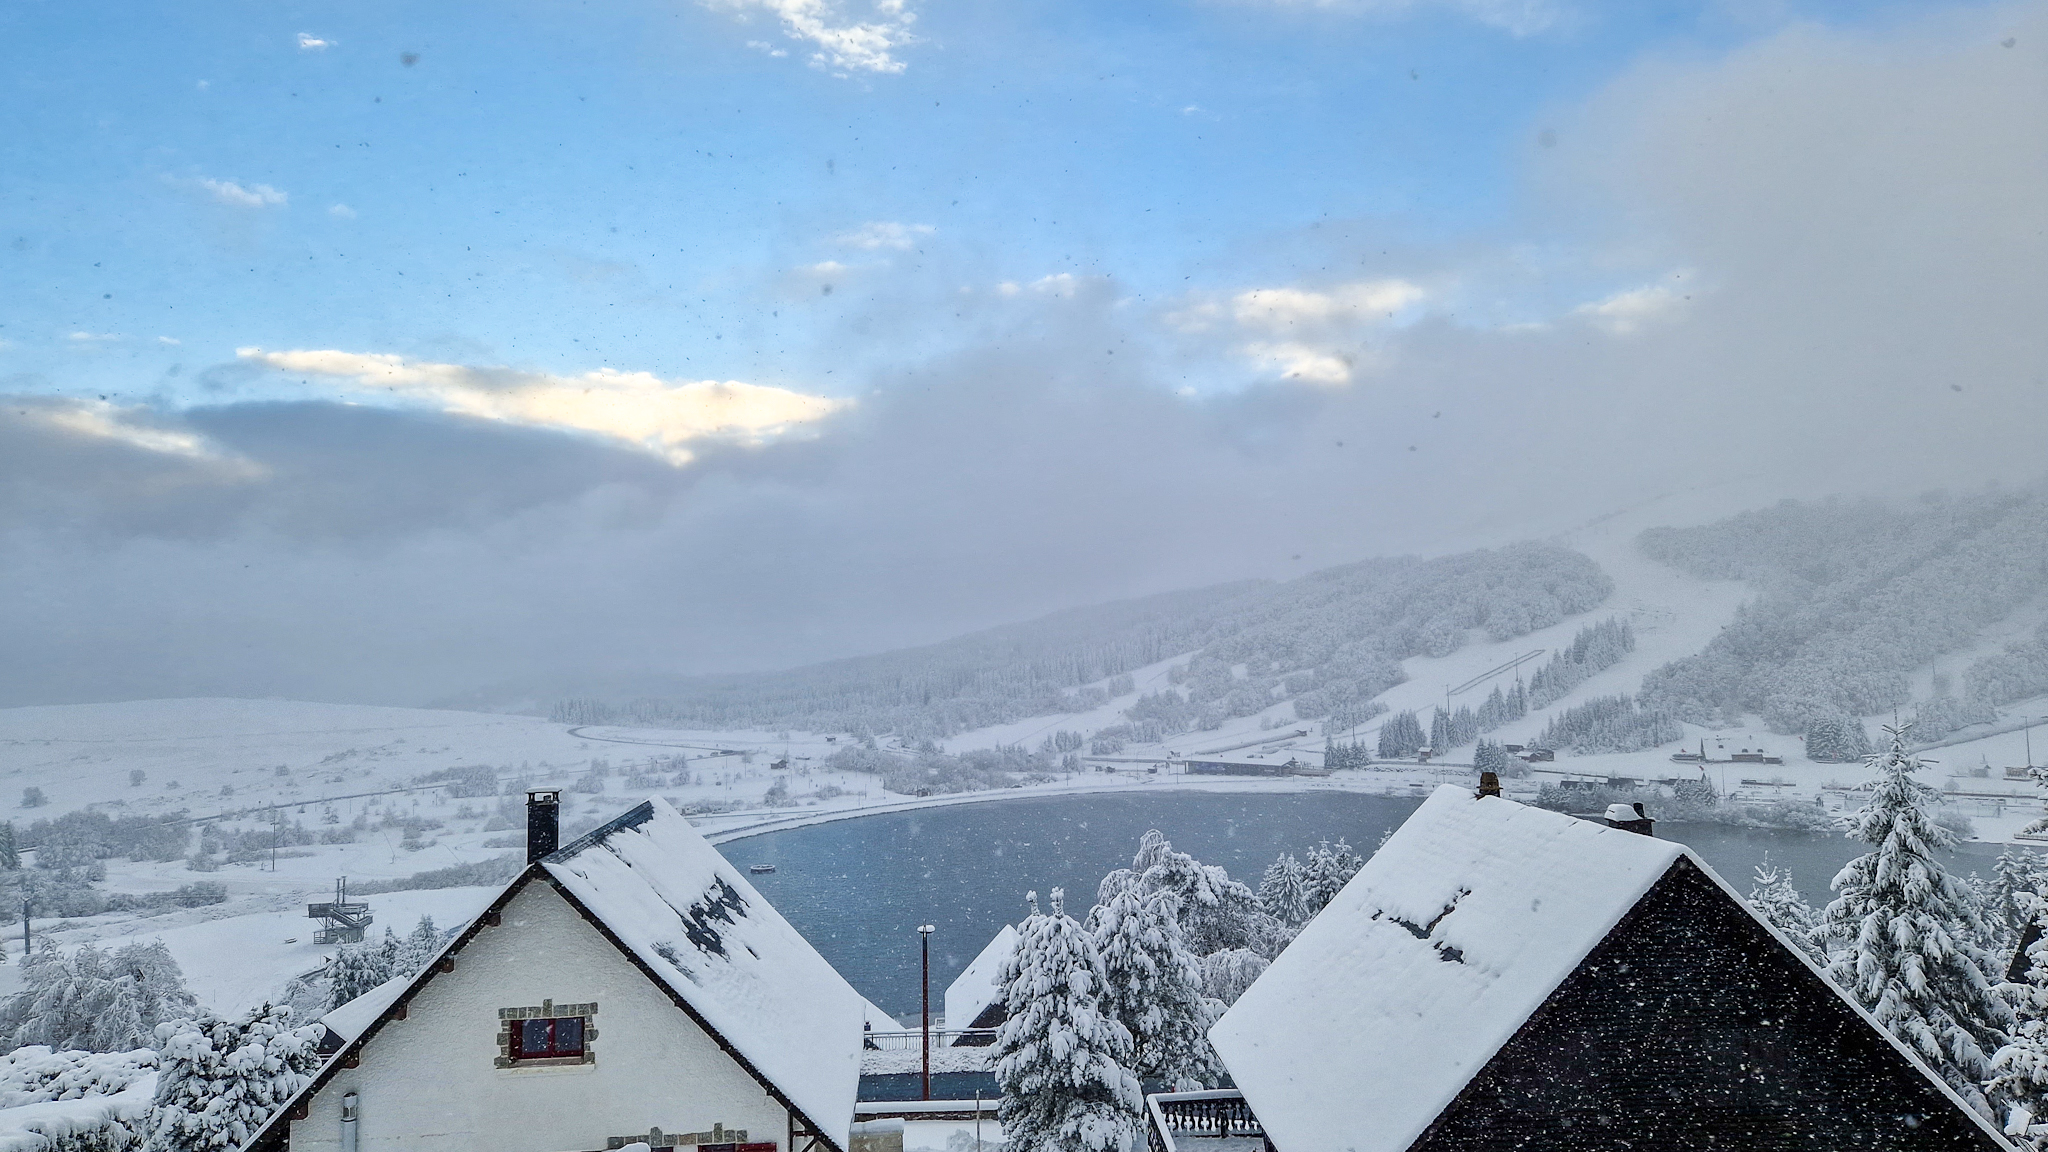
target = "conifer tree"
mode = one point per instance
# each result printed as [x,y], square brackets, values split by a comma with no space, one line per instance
[355,969]
[1488,756]
[221,1079]
[1900,931]
[419,946]
[2019,1071]
[1328,869]
[1779,902]
[93,1000]
[1216,912]
[1152,985]
[1060,1058]
[1400,735]
[1283,892]
[2017,875]
[1226,974]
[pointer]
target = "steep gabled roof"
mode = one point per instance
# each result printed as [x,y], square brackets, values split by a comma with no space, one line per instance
[656,889]
[970,993]
[690,917]
[1436,953]
[1431,957]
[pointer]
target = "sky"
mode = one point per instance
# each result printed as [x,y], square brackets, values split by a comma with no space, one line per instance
[379,352]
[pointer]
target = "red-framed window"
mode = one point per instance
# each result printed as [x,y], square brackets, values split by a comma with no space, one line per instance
[547,1038]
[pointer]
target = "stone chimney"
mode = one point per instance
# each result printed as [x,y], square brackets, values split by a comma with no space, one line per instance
[543,823]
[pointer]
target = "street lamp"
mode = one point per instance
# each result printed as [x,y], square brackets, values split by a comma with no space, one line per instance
[924,937]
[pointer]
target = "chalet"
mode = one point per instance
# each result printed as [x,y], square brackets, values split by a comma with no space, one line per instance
[628,988]
[1504,977]
[974,1000]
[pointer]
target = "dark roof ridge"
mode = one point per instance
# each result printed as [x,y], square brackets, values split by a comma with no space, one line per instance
[632,817]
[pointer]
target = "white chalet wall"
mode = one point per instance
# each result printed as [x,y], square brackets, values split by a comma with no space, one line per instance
[428,1081]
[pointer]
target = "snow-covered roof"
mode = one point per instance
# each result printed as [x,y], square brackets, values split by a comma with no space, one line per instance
[348,1021]
[693,919]
[1403,988]
[975,988]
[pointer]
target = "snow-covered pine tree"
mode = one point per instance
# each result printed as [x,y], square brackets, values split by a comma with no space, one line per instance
[1152,985]
[1488,756]
[1990,934]
[221,1079]
[1773,896]
[2019,873]
[95,1001]
[1328,869]
[1283,892]
[1400,735]
[2019,1071]
[355,969]
[1441,738]
[1900,930]
[1060,1058]
[1226,974]
[1216,912]
[419,946]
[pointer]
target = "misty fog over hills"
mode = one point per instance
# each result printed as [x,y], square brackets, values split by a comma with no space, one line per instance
[1850,598]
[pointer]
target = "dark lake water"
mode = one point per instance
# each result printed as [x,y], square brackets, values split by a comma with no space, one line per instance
[859,888]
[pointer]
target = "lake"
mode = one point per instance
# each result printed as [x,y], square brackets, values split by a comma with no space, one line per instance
[859,888]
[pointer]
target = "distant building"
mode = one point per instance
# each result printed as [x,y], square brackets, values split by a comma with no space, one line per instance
[974,1000]
[631,987]
[1503,977]
[1292,767]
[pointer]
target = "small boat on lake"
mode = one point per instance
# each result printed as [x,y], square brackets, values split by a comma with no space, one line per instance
[760,869]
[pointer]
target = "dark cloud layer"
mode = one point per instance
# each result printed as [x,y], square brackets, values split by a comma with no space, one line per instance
[1838,249]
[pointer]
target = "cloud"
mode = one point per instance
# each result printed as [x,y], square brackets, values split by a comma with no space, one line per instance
[1855,200]
[880,234]
[173,341]
[1286,309]
[1317,335]
[311,43]
[133,427]
[1626,311]
[764,46]
[662,417]
[844,44]
[341,210]
[252,196]
[89,338]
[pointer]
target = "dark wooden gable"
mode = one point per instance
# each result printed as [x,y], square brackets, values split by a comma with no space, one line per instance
[1690,1026]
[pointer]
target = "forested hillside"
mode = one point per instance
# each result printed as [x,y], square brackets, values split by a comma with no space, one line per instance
[1329,641]
[1854,597]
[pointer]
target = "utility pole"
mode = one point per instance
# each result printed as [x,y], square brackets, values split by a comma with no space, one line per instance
[924,936]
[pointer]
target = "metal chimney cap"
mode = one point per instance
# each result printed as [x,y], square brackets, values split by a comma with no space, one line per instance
[549,796]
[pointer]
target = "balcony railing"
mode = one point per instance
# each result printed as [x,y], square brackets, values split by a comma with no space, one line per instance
[1189,1121]
[907,1041]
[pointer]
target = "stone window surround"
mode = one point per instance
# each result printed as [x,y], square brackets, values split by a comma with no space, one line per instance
[545,1010]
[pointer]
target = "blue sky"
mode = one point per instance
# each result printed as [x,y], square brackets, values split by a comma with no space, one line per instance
[376,351]
[568,186]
